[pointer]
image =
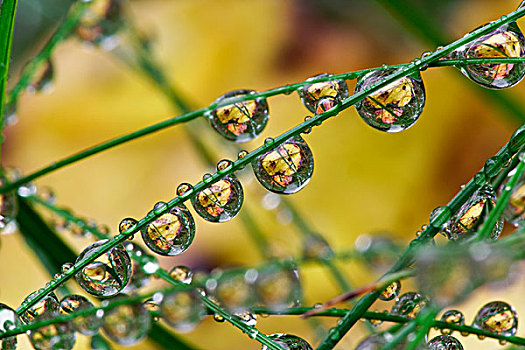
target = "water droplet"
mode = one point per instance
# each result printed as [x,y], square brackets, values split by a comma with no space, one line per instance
[139,278]
[241,121]
[127,324]
[42,79]
[289,342]
[182,274]
[312,94]
[497,317]
[233,292]
[242,154]
[183,188]
[27,190]
[87,325]
[224,165]
[391,292]
[108,274]
[277,287]
[269,141]
[182,310]
[493,166]
[171,233]
[444,342]
[426,54]
[375,323]
[126,224]
[54,336]
[467,219]
[8,320]
[377,250]
[48,304]
[455,317]
[515,210]
[248,318]
[316,247]
[285,169]
[325,104]
[100,23]
[409,304]
[10,115]
[218,318]
[505,41]
[395,107]
[221,201]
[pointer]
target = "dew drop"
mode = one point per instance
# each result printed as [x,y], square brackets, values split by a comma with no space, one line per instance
[47,305]
[395,107]
[182,274]
[467,219]
[330,92]
[8,320]
[66,267]
[224,165]
[444,342]
[42,79]
[46,194]
[242,154]
[391,292]
[221,201]
[316,247]
[454,317]
[171,233]
[183,310]
[184,188]
[8,207]
[278,287]
[241,121]
[289,342]
[127,324]
[233,292]
[409,304]
[505,41]
[247,317]
[497,317]
[87,325]
[285,169]
[126,224]
[108,274]
[269,141]
[53,336]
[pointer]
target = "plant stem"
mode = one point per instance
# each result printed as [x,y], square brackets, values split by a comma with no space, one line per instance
[7,27]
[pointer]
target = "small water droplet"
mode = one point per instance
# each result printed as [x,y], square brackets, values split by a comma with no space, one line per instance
[184,188]
[127,324]
[182,274]
[182,310]
[391,292]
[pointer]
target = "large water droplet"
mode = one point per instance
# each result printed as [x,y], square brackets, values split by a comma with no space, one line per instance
[505,41]
[289,342]
[108,274]
[278,287]
[312,94]
[182,310]
[127,324]
[57,336]
[391,291]
[467,219]
[182,274]
[285,169]
[241,121]
[444,342]
[409,304]
[171,233]
[47,304]
[395,107]
[234,292]
[221,201]
[455,317]
[497,317]
[8,319]
[87,325]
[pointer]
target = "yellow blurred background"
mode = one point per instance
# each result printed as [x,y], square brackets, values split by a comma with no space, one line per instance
[364,180]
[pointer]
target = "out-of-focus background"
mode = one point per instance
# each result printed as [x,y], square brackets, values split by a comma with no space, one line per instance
[364,180]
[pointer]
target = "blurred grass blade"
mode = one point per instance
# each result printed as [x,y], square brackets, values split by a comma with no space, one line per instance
[164,339]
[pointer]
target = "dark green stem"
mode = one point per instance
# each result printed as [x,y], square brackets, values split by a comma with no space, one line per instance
[7,27]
